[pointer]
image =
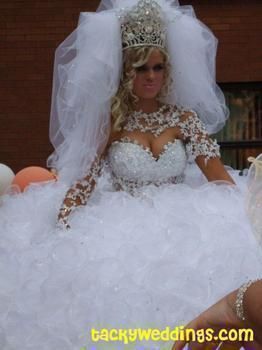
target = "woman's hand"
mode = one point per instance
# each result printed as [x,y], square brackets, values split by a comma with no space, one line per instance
[219,316]
[62,224]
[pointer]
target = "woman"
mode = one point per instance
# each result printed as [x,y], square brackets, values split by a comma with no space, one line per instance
[130,256]
[134,119]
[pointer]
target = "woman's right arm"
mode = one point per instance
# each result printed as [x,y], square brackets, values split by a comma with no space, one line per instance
[79,193]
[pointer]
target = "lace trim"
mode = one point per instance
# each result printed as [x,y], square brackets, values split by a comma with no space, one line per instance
[79,193]
[166,117]
[198,142]
[192,129]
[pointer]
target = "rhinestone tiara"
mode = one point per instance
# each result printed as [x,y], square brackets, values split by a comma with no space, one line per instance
[143,25]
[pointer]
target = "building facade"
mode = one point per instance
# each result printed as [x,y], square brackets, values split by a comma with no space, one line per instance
[31,30]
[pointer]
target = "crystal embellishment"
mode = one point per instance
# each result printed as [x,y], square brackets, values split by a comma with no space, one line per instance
[191,129]
[142,25]
[134,166]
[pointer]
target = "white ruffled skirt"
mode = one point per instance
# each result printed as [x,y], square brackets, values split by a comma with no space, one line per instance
[153,260]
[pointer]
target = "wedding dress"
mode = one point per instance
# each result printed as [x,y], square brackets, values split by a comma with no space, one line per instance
[154,246]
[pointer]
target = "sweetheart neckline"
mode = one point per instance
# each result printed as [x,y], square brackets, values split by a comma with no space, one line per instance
[126,139]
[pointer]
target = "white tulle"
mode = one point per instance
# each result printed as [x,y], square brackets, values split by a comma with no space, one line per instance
[254,197]
[87,70]
[86,76]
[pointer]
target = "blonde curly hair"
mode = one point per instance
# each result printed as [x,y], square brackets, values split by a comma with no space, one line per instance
[124,100]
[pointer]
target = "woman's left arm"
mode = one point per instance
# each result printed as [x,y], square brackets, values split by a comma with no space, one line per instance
[202,148]
[213,169]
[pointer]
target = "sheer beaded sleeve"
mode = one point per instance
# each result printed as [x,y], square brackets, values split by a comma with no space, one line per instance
[197,140]
[79,193]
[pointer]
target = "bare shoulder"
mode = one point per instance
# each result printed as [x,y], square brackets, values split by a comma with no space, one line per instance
[114,135]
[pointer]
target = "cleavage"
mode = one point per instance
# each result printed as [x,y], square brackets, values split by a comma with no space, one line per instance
[126,139]
[149,142]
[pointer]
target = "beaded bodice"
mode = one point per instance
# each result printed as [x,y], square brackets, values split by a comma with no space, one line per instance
[133,165]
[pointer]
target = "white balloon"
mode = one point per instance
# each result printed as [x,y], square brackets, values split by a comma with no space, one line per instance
[6,177]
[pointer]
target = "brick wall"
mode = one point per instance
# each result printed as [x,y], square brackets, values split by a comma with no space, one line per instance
[238,26]
[31,30]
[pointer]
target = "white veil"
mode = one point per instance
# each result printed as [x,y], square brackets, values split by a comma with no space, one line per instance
[87,72]
[254,196]
[86,75]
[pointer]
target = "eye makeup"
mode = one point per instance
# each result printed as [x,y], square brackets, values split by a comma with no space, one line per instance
[156,68]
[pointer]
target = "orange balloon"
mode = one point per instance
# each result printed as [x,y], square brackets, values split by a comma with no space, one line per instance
[32,174]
